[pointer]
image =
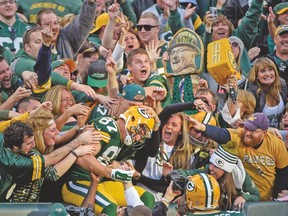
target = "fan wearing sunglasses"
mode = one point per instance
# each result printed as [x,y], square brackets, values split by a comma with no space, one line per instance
[149,30]
[176,19]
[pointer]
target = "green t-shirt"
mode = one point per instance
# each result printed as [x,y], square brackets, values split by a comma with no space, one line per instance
[12,36]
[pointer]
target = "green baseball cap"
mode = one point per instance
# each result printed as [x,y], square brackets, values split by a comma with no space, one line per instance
[58,209]
[133,92]
[281,8]
[97,74]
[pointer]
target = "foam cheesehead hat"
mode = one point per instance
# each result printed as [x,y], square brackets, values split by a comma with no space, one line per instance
[97,74]
[256,121]
[133,92]
[71,64]
[280,29]
[229,163]
[281,8]
[184,38]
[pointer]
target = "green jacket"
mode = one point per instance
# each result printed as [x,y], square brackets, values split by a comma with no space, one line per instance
[18,168]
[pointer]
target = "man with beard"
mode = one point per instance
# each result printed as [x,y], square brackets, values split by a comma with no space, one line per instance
[263,154]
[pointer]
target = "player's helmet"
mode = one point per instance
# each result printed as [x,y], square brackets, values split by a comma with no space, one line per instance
[138,122]
[202,192]
[205,118]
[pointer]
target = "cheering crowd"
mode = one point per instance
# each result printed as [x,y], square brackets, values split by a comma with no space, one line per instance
[114,106]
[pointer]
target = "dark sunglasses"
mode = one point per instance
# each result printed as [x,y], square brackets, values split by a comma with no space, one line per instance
[146,27]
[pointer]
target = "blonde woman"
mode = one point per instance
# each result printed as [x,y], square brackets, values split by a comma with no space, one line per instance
[233,114]
[174,148]
[70,117]
[236,185]
[269,90]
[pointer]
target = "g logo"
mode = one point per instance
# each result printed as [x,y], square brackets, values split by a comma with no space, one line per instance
[143,113]
[219,162]
[190,186]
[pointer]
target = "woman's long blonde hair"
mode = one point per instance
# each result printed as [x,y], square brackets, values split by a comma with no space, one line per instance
[55,94]
[39,122]
[249,102]
[228,191]
[275,87]
[182,151]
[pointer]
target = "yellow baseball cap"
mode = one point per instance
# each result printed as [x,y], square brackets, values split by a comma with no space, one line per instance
[280,29]
[100,21]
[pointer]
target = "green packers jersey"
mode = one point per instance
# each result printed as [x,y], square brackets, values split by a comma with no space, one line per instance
[111,142]
[19,169]
[100,110]
[12,36]
[110,146]
[31,7]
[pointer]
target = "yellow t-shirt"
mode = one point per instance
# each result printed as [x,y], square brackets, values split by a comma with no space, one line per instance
[5,124]
[261,163]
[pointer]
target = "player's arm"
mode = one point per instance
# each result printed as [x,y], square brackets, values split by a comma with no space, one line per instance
[90,163]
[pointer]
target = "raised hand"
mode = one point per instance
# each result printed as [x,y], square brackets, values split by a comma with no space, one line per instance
[47,35]
[124,79]
[113,11]
[30,79]
[111,66]
[20,93]
[78,109]
[92,137]
[44,105]
[152,50]
[196,124]
[189,11]
[107,101]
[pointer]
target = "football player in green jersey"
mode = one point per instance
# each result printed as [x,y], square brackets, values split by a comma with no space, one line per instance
[131,130]
[201,197]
